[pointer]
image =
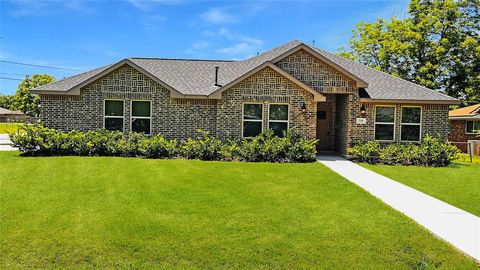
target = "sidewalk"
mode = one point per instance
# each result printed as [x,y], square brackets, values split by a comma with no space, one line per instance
[456,226]
[5,143]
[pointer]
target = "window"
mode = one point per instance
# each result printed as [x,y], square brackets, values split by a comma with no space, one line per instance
[252,119]
[141,116]
[113,115]
[472,127]
[278,118]
[411,124]
[385,123]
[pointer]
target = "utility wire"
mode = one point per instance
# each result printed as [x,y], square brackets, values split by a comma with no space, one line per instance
[35,65]
[8,78]
[15,74]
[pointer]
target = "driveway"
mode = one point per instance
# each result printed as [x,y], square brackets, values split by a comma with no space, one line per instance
[5,143]
[454,225]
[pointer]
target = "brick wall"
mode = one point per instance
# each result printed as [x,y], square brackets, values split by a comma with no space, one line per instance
[173,117]
[266,86]
[434,121]
[316,74]
[458,136]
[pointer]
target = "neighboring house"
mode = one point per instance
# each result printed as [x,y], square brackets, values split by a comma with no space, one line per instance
[322,95]
[11,116]
[464,122]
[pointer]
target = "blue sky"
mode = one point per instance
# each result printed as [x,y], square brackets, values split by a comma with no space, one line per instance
[87,34]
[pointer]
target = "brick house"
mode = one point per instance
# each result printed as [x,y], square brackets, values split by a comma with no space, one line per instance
[322,95]
[464,122]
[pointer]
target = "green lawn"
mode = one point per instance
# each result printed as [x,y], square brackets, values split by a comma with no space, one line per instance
[100,212]
[457,184]
[10,127]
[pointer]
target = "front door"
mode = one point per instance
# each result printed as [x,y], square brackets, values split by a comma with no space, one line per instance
[324,126]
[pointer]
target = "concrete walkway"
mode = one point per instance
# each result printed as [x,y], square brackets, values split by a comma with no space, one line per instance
[456,226]
[5,143]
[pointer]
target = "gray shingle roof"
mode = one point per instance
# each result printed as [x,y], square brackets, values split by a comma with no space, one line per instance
[197,77]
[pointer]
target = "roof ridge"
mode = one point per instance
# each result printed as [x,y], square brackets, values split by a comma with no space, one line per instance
[182,59]
[275,48]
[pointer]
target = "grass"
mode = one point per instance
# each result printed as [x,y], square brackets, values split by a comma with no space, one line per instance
[457,184]
[104,212]
[10,127]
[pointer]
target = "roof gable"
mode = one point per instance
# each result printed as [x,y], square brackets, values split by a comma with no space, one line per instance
[316,95]
[359,82]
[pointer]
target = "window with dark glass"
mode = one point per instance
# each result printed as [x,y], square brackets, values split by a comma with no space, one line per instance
[252,119]
[278,118]
[141,116]
[472,127]
[113,115]
[385,123]
[411,123]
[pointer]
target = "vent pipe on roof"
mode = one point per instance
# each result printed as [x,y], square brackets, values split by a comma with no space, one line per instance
[216,77]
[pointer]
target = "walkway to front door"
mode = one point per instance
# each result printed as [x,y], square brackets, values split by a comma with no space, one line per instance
[456,226]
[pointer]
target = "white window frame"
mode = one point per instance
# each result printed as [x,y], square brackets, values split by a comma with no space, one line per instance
[140,117]
[110,116]
[279,121]
[466,124]
[375,123]
[250,120]
[411,124]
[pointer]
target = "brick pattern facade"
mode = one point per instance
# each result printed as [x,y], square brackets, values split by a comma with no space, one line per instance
[316,74]
[172,117]
[434,119]
[266,86]
[458,136]
[181,118]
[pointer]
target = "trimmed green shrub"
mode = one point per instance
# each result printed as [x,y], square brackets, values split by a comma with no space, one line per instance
[40,141]
[203,147]
[432,152]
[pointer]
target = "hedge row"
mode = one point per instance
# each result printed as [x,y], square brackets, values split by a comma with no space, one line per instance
[432,152]
[37,140]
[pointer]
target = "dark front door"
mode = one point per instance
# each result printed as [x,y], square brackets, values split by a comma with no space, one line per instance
[324,126]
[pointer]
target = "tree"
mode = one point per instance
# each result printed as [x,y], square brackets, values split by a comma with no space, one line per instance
[25,101]
[436,45]
[7,102]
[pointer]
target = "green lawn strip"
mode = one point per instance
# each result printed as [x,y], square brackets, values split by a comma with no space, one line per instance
[10,127]
[457,184]
[104,212]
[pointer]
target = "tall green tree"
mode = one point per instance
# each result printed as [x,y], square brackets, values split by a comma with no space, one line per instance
[7,102]
[24,100]
[436,45]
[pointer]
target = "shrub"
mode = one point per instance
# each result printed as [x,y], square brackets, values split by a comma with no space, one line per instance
[40,141]
[432,152]
[203,147]
[368,152]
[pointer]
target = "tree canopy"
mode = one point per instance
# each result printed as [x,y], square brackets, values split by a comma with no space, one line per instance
[436,45]
[25,101]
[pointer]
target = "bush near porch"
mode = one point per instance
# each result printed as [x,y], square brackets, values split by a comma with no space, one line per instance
[37,140]
[432,152]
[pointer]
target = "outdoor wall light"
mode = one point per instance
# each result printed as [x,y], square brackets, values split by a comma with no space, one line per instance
[304,107]
[363,112]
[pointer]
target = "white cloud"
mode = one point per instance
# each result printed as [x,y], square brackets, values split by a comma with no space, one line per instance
[242,47]
[45,8]
[147,5]
[238,49]
[216,15]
